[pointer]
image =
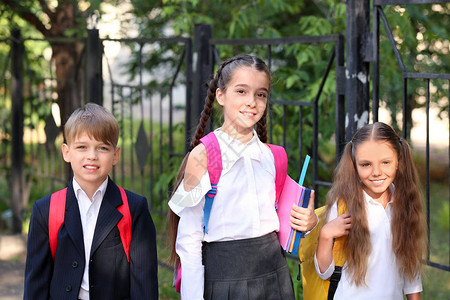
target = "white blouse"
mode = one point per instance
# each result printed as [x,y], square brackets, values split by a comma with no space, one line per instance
[243,206]
[382,277]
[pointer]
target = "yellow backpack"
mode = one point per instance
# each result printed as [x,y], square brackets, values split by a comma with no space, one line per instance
[314,287]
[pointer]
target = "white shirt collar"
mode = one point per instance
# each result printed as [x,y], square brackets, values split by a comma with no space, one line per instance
[100,192]
[371,200]
[233,149]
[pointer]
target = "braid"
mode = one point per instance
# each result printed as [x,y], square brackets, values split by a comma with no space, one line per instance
[206,113]
[217,82]
[261,128]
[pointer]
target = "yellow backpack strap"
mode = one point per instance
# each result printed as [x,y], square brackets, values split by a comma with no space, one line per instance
[338,248]
[338,255]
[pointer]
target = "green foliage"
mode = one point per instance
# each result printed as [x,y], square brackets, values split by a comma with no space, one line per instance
[420,39]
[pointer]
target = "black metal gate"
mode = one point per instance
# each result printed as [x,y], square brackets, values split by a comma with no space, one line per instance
[379,19]
[153,139]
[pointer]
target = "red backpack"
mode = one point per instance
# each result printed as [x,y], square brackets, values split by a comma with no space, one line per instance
[56,219]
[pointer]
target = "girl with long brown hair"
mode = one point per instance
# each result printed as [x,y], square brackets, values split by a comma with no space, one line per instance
[239,256]
[384,225]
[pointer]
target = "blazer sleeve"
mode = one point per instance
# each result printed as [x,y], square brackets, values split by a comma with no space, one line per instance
[143,258]
[39,262]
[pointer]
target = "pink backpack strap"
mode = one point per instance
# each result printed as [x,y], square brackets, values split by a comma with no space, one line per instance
[124,224]
[214,156]
[281,162]
[177,278]
[56,218]
[214,166]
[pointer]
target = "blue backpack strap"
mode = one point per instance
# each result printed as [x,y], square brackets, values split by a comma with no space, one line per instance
[214,166]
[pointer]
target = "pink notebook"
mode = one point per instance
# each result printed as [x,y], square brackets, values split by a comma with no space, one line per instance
[291,194]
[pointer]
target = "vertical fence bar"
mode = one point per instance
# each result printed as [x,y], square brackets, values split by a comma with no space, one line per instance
[122,133]
[131,136]
[405,108]
[315,153]
[375,64]
[357,72]
[17,153]
[161,145]
[114,114]
[300,137]
[340,97]
[94,67]
[189,84]
[152,182]
[427,154]
[203,67]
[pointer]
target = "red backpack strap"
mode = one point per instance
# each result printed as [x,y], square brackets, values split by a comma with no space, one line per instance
[214,166]
[281,162]
[124,224]
[56,218]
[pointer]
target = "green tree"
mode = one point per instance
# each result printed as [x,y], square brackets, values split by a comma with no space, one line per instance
[422,41]
[61,23]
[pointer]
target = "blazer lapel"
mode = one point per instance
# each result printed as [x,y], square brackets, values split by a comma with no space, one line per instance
[108,216]
[72,220]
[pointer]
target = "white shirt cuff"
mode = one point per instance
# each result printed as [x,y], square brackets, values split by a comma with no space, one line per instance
[411,287]
[328,272]
[192,281]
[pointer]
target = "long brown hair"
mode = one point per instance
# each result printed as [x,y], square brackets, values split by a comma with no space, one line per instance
[223,76]
[408,220]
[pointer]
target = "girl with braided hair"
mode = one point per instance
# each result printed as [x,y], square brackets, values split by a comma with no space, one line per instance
[239,256]
[385,224]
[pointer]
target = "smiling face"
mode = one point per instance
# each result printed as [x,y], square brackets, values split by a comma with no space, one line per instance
[376,164]
[91,160]
[244,101]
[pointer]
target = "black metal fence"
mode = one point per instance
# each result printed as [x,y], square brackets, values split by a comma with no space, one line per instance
[425,80]
[158,107]
[150,109]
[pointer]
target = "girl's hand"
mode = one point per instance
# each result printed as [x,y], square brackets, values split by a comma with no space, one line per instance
[338,227]
[304,219]
[333,229]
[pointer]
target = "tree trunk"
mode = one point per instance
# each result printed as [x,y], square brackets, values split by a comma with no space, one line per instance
[69,86]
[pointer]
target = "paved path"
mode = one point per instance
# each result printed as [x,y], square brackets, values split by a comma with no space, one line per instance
[12,266]
[11,279]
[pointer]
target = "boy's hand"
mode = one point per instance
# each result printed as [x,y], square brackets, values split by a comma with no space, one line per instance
[304,219]
[338,227]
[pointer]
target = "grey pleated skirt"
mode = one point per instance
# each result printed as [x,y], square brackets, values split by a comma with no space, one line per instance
[249,269]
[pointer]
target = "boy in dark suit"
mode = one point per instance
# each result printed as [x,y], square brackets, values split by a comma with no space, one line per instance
[90,261]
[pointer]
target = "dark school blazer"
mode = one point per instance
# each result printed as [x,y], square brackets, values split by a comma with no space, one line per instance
[110,275]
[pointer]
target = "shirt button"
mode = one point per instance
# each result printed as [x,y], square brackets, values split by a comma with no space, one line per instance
[68,288]
[74,264]
[91,260]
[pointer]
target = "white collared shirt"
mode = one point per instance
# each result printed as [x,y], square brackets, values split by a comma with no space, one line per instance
[88,213]
[382,277]
[243,206]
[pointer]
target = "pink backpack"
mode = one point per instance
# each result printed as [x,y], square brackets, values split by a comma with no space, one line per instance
[214,166]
